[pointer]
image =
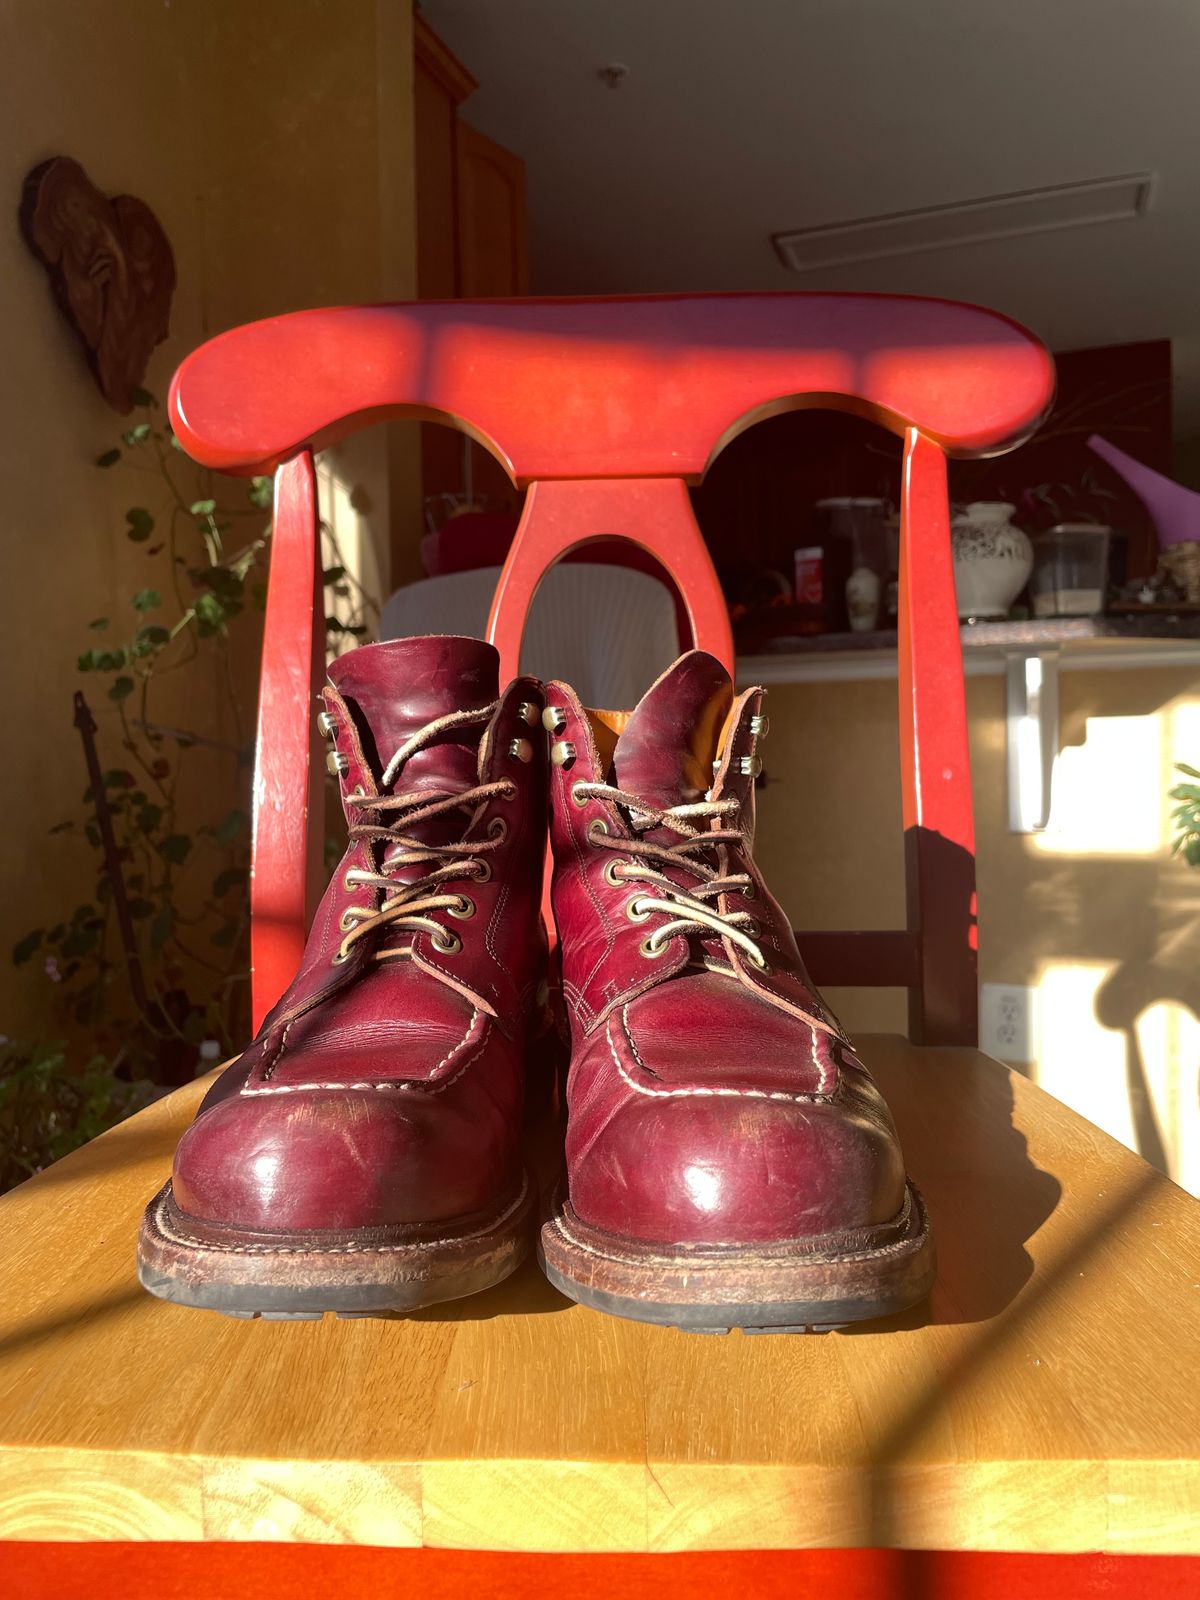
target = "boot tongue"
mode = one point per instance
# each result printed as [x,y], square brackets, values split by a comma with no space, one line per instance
[394,689]
[666,751]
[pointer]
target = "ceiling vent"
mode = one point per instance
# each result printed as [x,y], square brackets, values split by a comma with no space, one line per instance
[1002,216]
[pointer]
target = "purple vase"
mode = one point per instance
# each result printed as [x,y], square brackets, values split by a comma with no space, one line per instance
[1174,510]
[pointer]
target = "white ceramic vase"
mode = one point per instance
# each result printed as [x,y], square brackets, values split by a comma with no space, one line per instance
[992,559]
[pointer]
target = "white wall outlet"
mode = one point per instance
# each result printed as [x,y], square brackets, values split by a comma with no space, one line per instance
[1008,1022]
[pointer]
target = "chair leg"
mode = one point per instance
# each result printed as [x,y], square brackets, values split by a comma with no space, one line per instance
[288,787]
[935,770]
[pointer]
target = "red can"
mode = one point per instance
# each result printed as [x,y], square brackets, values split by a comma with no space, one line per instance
[810,589]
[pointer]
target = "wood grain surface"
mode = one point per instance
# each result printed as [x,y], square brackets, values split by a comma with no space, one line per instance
[1044,1400]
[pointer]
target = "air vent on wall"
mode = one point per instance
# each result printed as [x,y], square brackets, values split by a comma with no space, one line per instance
[1003,216]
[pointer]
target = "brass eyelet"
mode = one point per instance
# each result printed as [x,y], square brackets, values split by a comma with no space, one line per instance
[632,912]
[753,927]
[464,910]
[760,962]
[520,750]
[554,719]
[750,892]
[497,828]
[652,950]
[597,828]
[577,797]
[338,957]
[326,725]
[352,916]
[483,871]
[529,714]
[449,944]
[610,874]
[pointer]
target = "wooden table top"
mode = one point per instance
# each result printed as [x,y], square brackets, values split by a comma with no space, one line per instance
[1044,1400]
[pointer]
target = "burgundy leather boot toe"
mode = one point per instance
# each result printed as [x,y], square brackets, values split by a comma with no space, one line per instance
[730,1162]
[364,1153]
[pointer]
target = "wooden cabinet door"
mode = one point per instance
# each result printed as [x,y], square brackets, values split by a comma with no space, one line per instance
[492,252]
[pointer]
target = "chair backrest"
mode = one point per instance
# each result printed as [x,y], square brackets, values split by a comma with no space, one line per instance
[607,631]
[606,409]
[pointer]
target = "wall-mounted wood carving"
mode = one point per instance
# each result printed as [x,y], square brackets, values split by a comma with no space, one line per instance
[111,268]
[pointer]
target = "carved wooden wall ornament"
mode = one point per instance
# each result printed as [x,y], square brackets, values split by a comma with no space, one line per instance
[111,268]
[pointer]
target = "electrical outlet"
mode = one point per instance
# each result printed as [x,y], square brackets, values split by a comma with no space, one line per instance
[1007,1022]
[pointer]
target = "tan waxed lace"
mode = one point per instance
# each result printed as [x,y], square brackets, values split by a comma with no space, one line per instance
[687,911]
[410,906]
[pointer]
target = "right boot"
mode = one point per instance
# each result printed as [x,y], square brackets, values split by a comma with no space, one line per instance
[363,1154]
[730,1162]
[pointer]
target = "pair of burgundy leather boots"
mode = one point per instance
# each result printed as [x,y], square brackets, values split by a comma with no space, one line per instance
[729,1161]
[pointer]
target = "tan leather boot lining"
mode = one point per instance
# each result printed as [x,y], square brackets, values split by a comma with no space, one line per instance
[607,726]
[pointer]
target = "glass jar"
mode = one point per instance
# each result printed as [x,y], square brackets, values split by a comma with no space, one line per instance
[1070,570]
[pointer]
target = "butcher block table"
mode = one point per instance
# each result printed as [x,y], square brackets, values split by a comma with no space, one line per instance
[1045,1400]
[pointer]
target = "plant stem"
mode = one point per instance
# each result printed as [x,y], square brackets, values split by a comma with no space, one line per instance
[86,725]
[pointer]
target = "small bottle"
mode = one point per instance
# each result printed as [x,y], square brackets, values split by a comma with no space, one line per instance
[862,600]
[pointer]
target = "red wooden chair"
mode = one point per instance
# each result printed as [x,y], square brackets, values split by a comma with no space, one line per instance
[606,409]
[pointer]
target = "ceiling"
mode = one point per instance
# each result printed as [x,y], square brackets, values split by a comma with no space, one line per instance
[738,119]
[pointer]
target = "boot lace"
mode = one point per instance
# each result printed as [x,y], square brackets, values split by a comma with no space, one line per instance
[691,911]
[408,907]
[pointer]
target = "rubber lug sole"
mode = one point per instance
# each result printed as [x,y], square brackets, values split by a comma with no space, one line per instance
[300,1277]
[790,1286]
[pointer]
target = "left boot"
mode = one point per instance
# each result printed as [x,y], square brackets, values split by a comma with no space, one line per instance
[364,1153]
[730,1162]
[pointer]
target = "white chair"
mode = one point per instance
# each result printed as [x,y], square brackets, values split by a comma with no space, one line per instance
[607,631]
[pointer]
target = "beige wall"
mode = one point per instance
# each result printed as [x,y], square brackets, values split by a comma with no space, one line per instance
[274,141]
[1095,916]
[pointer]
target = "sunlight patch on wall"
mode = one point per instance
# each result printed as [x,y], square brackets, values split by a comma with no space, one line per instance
[1088,1066]
[1079,1060]
[1109,792]
[1168,1037]
[1184,736]
[346,542]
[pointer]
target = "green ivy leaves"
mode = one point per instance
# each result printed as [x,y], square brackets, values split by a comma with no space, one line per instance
[185,891]
[230,828]
[140,524]
[28,946]
[230,878]
[1186,817]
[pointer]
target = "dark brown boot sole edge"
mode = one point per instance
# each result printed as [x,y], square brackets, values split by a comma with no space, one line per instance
[303,1276]
[806,1286]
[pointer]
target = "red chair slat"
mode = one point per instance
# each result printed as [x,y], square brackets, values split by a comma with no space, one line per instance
[616,388]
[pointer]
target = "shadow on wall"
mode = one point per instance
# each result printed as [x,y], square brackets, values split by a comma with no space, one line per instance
[1170,974]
